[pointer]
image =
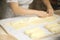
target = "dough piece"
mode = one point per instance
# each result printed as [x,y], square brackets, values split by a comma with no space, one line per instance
[24,22]
[55,28]
[36,20]
[30,31]
[19,24]
[50,19]
[36,33]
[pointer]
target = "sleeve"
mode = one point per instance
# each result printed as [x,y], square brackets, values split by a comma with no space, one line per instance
[11,1]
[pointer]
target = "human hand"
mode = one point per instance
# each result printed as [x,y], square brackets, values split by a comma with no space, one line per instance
[50,11]
[42,14]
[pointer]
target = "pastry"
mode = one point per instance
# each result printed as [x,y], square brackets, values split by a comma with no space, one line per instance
[35,33]
[55,28]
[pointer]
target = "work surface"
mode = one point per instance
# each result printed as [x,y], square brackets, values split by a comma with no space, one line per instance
[13,31]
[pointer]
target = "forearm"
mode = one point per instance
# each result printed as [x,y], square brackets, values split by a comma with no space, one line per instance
[47,3]
[21,11]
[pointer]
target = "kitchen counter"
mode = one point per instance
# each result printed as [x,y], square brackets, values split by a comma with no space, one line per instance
[4,36]
[53,37]
[2,31]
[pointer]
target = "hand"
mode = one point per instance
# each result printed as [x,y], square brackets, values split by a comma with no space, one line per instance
[50,11]
[42,14]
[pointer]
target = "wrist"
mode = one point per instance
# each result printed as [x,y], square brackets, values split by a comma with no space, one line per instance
[36,12]
[49,8]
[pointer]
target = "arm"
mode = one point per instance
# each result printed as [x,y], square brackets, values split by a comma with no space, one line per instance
[49,7]
[21,11]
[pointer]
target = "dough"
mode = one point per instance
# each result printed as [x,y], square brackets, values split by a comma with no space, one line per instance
[30,31]
[24,22]
[38,20]
[36,33]
[19,24]
[55,28]
[39,34]
[50,19]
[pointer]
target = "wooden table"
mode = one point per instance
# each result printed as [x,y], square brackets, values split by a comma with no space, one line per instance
[53,37]
[5,36]
[2,31]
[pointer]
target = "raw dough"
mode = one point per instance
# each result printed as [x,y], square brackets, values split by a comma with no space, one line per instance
[55,28]
[24,22]
[19,24]
[36,33]
[50,19]
[38,20]
[39,34]
[30,31]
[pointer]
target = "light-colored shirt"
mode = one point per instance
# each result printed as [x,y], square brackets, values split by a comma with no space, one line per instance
[22,3]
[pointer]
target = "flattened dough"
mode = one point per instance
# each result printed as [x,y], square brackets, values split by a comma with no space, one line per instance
[19,24]
[38,20]
[50,19]
[30,31]
[36,33]
[55,28]
[31,20]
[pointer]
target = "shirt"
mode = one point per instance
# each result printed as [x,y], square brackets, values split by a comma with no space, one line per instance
[22,3]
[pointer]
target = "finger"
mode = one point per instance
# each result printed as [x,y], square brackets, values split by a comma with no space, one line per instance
[50,13]
[42,16]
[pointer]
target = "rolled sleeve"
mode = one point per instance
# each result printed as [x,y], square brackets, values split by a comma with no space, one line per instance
[11,1]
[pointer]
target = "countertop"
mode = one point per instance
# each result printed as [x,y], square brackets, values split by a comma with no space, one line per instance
[53,37]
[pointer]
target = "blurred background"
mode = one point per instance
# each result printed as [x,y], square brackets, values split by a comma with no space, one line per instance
[35,5]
